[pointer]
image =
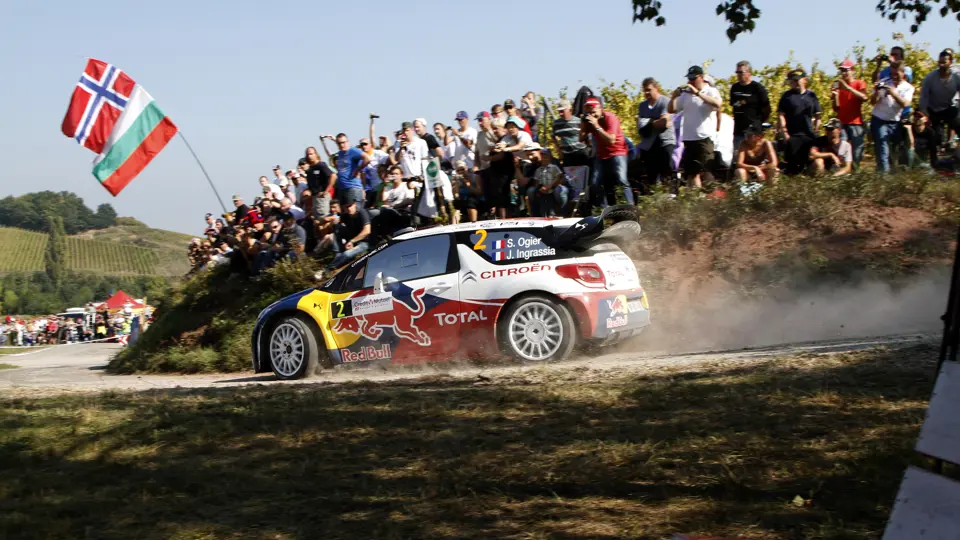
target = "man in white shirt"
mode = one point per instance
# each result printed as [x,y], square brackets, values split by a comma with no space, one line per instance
[890,97]
[409,152]
[466,138]
[699,103]
[272,189]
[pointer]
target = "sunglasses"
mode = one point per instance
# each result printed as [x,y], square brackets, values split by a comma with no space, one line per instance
[741,72]
[364,144]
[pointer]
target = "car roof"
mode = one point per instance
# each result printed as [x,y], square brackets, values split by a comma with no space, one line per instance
[492,224]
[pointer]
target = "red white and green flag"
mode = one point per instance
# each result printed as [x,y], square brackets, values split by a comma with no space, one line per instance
[115,117]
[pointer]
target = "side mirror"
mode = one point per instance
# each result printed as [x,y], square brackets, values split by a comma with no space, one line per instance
[378,283]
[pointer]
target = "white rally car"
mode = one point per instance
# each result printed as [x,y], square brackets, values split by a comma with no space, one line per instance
[531,288]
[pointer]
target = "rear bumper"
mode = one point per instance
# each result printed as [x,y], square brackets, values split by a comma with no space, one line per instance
[607,314]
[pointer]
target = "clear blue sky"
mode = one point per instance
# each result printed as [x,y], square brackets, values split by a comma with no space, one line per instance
[252,83]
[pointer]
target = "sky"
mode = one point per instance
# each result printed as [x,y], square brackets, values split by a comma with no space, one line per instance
[250,84]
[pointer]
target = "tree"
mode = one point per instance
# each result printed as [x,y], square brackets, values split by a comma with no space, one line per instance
[105,217]
[55,261]
[741,15]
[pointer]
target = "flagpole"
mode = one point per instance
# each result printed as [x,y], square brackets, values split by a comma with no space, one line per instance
[219,200]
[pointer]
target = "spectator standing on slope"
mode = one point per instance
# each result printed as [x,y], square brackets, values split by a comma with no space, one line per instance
[890,97]
[657,139]
[350,162]
[798,122]
[938,100]
[750,102]
[847,96]
[699,103]
[611,158]
[319,179]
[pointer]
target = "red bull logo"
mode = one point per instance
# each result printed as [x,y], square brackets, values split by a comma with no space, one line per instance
[618,306]
[401,319]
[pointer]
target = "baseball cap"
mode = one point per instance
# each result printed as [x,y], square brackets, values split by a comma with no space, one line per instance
[532,146]
[508,103]
[833,123]
[753,129]
[237,197]
[208,215]
[287,215]
[796,75]
[483,114]
[461,115]
[564,104]
[515,120]
[276,167]
[406,125]
[847,64]
[591,102]
[694,71]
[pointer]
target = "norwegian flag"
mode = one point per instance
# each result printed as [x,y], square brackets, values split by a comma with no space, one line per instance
[500,244]
[96,104]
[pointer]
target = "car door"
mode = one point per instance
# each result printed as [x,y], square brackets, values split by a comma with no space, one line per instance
[407,309]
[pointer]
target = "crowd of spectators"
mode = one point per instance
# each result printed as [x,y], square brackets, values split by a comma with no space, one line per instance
[339,207]
[62,329]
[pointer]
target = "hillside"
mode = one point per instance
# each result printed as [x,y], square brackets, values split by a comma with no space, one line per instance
[129,248]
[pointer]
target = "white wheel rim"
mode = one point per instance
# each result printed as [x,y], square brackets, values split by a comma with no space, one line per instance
[286,349]
[535,331]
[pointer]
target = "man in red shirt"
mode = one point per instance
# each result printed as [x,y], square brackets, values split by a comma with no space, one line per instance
[611,153]
[848,95]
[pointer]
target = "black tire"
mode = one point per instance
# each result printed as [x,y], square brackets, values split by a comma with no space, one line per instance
[622,212]
[534,344]
[292,333]
[624,234]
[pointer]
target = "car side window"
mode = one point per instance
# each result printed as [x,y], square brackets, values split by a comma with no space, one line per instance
[411,259]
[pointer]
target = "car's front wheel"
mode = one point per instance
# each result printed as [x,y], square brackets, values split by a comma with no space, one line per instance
[292,349]
[537,328]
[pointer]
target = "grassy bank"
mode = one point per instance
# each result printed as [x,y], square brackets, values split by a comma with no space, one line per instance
[205,324]
[792,447]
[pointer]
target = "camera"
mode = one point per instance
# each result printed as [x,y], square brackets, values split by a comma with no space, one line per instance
[372,116]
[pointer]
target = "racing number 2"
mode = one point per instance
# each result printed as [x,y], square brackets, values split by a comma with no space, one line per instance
[480,245]
[341,308]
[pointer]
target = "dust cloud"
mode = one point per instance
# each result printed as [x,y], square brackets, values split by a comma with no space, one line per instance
[720,321]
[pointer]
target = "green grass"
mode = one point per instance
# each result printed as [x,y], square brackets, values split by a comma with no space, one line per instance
[793,447]
[122,250]
[8,366]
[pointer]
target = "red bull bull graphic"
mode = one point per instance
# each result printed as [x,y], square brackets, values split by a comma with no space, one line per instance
[368,316]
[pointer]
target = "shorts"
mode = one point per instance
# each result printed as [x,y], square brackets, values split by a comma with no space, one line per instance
[467,203]
[697,156]
[496,189]
[321,205]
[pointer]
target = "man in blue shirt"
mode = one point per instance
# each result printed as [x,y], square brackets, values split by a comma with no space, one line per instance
[350,162]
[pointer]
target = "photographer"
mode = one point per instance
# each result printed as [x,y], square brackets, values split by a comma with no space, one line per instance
[699,103]
[938,101]
[409,152]
[890,97]
[396,194]
[611,157]
[848,95]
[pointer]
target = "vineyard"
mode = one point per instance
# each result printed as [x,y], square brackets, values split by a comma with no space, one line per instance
[23,251]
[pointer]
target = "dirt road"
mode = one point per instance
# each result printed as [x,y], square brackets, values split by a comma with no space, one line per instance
[81,368]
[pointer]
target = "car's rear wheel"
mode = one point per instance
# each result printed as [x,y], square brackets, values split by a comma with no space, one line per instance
[537,328]
[292,349]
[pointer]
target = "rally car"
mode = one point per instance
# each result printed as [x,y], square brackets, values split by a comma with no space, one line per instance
[533,289]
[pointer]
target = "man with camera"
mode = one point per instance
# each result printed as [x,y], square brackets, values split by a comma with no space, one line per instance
[699,103]
[611,153]
[409,152]
[890,97]
[847,96]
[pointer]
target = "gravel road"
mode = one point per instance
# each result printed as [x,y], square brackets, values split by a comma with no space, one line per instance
[81,368]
